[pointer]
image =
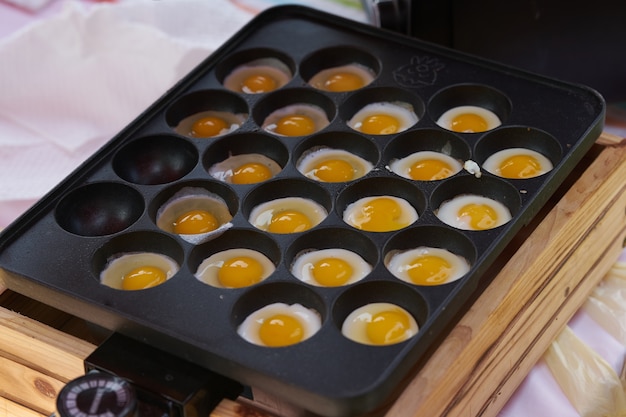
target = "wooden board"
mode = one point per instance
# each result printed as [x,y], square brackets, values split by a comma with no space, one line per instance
[554,265]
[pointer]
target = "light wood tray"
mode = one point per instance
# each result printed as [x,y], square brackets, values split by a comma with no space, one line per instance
[544,277]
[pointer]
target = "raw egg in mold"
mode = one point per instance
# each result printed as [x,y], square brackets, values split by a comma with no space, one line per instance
[210,124]
[380,214]
[342,78]
[287,215]
[235,268]
[249,168]
[426,166]
[332,267]
[258,76]
[517,163]
[296,120]
[332,165]
[384,118]
[473,212]
[469,119]
[426,265]
[138,271]
[379,324]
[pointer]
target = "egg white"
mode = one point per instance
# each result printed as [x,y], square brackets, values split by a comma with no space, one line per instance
[310,159]
[398,263]
[208,270]
[493,163]
[225,169]
[354,326]
[117,267]
[445,120]
[302,267]
[315,113]
[270,67]
[448,210]
[402,166]
[320,79]
[261,215]
[355,213]
[309,318]
[403,112]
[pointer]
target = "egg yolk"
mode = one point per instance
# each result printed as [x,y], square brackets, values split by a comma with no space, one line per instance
[239,272]
[289,221]
[429,270]
[143,277]
[380,124]
[380,215]
[251,173]
[387,327]
[430,170]
[343,81]
[194,222]
[334,170]
[207,127]
[331,272]
[258,83]
[281,330]
[520,166]
[468,123]
[295,125]
[480,216]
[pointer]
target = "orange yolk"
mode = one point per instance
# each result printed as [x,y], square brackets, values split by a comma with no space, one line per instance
[143,277]
[343,81]
[387,327]
[380,215]
[480,216]
[469,123]
[281,330]
[429,270]
[194,222]
[331,272]
[295,125]
[430,170]
[520,166]
[239,272]
[380,124]
[251,173]
[258,83]
[289,221]
[334,170]
[207,127]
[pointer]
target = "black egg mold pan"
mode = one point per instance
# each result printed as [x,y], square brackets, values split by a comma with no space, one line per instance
[55,251]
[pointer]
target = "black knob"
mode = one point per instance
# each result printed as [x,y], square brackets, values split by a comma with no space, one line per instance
[97,395]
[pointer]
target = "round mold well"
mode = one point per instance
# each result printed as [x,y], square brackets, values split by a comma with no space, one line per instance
[425,140]
[431,236]
[279,189]
[255,61]
[389,97]
[343,59]
[225,105]
[235,239]
[518,137]
[490,187]
[478,95]
[380,291]
[134,243]
[155,160]
[353,143]
[381,187]
[268,293]
[294,101]
[232,151]
[332,238]
[99,209]
[194,193]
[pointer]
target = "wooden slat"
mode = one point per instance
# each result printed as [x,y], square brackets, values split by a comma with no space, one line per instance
[11,409]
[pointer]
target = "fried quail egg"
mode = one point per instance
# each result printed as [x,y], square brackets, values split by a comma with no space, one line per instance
[235,268]
[426,266]
[379,324]
[195,214]
[426,166]
[210,124]
[296,120]
[332,165]
[384,118]
[342,78]
[380,214]
[469,119]
[287,215]
[245,169]
[330,267]
[258,76]
[280,324]
[473,212]
[138,270]
[517,163]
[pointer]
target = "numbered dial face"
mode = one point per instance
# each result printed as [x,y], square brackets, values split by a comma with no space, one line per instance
[97,395]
